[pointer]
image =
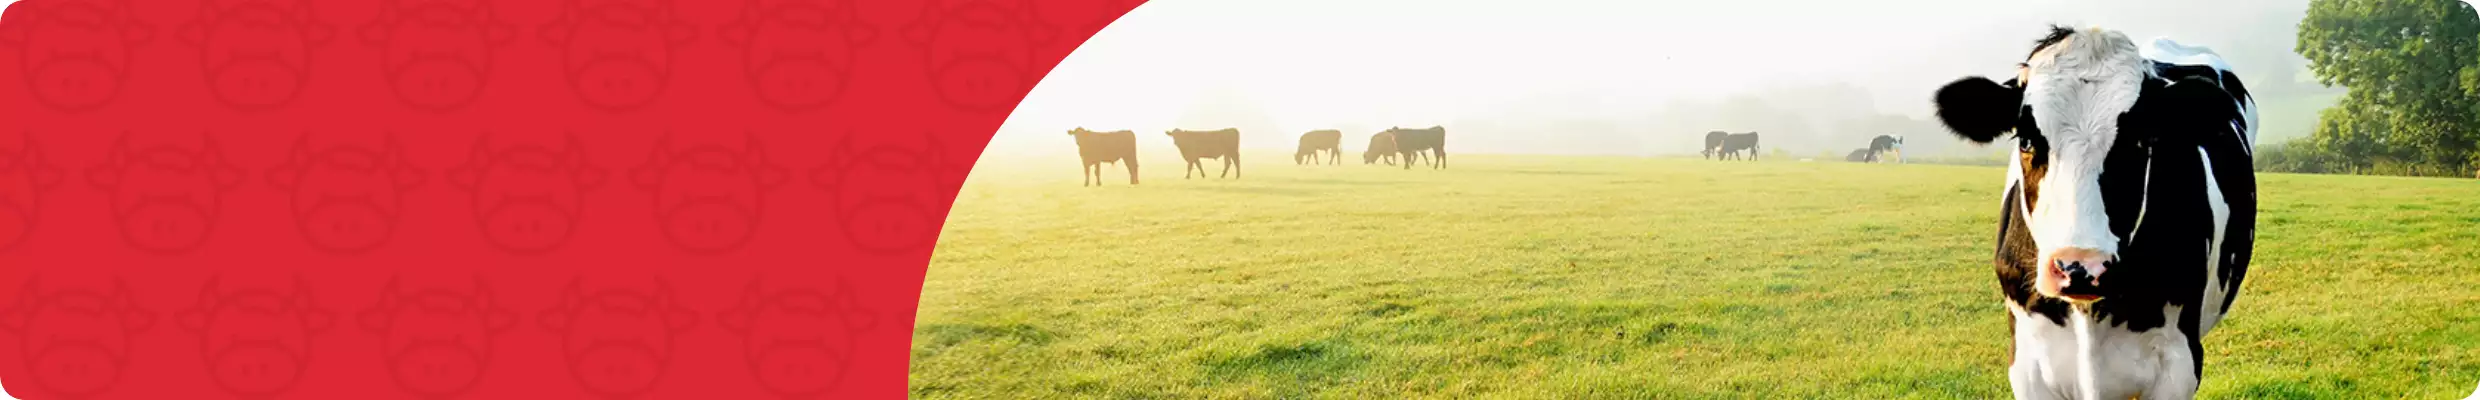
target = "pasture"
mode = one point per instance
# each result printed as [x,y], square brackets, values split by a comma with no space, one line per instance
[1612,277]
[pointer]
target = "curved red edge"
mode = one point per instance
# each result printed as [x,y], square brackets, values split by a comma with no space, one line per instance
[490,198]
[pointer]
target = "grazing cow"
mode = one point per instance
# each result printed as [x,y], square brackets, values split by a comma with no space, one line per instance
[1883,144]
[1713,143]
[1733,143]
[1328,141]
[1411,142]
[2107,298]
[1195,145]
[1098,148]
[1861,156]
[1381,148]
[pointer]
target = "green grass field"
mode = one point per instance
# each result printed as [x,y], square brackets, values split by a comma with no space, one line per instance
[1586,277]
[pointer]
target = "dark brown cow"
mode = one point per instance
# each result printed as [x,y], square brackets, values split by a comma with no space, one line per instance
[1105,147]
[1411,142]
[1327,141]
[1381,147]
[1196,145]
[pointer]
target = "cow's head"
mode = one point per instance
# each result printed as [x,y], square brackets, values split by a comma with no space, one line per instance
[617,341]
[255,53]
[618,52]
[798,341]
[75,53]
[438,338]
[24,176]
[75,341]
[256,341]
[346,198]
[167,196]
[798,54]
[438,52]
[980,52]
[527,197]
[2086,112]
[887,193]
[708,198]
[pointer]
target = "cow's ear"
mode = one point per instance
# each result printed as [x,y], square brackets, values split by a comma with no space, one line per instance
[374,33]
[373,320]
[1978,109]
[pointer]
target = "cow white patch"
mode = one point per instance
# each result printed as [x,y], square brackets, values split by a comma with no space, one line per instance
[2077,90]
[2085,359]
[2215,294]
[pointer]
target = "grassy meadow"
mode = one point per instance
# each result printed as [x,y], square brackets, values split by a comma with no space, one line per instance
[1612,277]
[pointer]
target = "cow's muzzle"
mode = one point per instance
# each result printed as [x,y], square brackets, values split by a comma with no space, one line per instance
[2073,273]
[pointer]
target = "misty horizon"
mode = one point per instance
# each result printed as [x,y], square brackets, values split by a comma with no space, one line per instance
[1815,78]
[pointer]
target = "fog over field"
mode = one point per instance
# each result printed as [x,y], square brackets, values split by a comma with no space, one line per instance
[1815,77]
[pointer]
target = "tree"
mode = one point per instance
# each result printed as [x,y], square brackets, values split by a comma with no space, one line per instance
[2412,68]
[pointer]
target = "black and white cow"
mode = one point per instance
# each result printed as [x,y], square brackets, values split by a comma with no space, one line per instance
[2129,212]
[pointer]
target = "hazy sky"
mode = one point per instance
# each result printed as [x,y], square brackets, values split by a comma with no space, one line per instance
[1593,76]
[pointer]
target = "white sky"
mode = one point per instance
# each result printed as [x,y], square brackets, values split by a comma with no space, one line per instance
[1289,66]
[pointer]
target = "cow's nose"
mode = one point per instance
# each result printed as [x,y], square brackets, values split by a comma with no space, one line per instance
[2075,271]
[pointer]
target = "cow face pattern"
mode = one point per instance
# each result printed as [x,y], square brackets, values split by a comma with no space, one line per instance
[885,193]
[346,199]
[255,53]
[437,341]
[256,341]
[166,197]
[527,198]
[76,54]
[798,54]
[618,53]
[24,176]
[798,341]
[709,198]
[617,341]
[76,340]
[970,60]
[438,53]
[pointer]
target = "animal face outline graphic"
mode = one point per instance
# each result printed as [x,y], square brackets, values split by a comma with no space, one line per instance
[256,341]
[438,54]
[75,341]
[797,54]
[798,342]
[167,198]
[527,198]
[346,199]
[618,53]
[710,198]
[24,176]
[76,54]
[617,341]
[256,55]
[437,342]
[885,194]
[979,53]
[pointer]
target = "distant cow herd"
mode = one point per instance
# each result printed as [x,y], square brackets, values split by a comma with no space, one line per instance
[1096,148]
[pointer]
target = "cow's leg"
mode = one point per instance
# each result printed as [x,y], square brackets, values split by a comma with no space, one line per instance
[1087,173]
[1441,153]
[1132,171]
[1235,166]
[1192,167]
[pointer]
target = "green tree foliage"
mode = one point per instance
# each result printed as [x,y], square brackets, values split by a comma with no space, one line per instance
[2412,68]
